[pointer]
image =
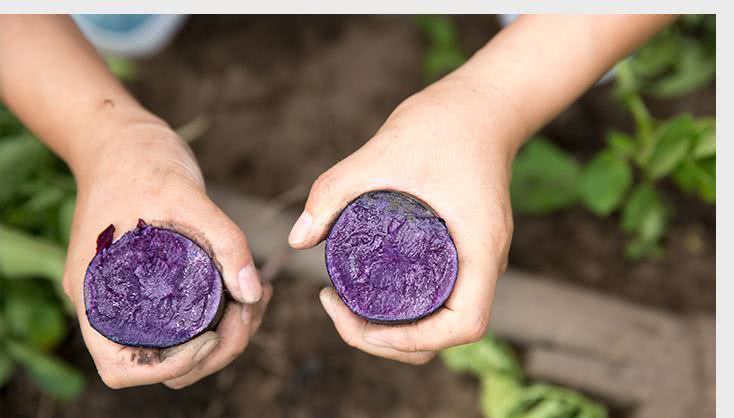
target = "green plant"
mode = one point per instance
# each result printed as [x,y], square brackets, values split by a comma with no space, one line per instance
[679,60]
[504,393]
[443,53]
[37,195]
[625,174]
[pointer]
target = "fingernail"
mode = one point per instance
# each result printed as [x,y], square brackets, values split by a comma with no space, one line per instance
[205,350]
[250,289]
[300,229]
[326,301]
[245,314]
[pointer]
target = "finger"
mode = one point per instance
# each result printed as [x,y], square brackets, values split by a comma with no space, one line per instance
[234,334]
[120,366]
[352,330]
[257,311]
[330,193]
[230,249]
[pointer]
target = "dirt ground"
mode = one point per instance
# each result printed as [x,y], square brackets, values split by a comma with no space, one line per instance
[286,97]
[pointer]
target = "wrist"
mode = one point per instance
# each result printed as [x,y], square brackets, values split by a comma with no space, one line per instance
[107,128]
[485,112]
[122,140]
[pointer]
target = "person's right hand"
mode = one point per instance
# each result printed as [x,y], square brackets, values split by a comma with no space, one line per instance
[143,170]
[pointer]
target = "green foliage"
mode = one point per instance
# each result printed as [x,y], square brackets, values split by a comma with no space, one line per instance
[32,314]
[7,366]
[504,394]
[490,356]
[37,195]
[51,374]
[682,148]
[679,60]
[604,182]
[544,178]
[443,53]
[645,216]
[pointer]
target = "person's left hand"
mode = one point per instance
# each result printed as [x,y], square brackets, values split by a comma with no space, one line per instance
[452,150]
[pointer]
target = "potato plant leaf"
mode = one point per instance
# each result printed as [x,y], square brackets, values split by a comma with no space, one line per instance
[604,182]
[32,314]
[25,256]
[674,140]
[7,366]
[54,376]
[544,179]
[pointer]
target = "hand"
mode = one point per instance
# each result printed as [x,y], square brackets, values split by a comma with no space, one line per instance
[452,150]
[143,170]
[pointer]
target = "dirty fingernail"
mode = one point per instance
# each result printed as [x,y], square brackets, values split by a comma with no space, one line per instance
[250,289]
[205,350]
[300,229]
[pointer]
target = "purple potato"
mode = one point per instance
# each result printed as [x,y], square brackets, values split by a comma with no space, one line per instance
[152,288]
[391,258]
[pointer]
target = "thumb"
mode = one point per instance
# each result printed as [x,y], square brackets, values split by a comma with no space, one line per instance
[231,250]
[330,193]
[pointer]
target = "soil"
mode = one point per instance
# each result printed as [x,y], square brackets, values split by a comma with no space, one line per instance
[285,98]
[296,366]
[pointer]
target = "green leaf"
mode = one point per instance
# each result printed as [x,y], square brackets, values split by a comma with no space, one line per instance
[604,182]
[9,124]
[706,143]
[707,181]
[66,216]
[698,176]
[637,249]
[544,179]
[686,176]
[646,216]
[24,255]
[673,142]
[694,68]
[440,30]
[621,144]
[658,55]
[438,63]
[548,401]
[7,366]
[499,395]
[34,315]
[19,157]
[643,211]
[53,376]
[443,52]
[486,356]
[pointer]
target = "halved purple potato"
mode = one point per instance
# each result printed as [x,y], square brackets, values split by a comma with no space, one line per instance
[391,258]
[153,288]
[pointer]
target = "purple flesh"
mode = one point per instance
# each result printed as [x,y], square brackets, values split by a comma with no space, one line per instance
[391,258]
[151,288]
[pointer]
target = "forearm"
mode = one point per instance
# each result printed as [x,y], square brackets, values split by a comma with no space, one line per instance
[55,81]
[540,64]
